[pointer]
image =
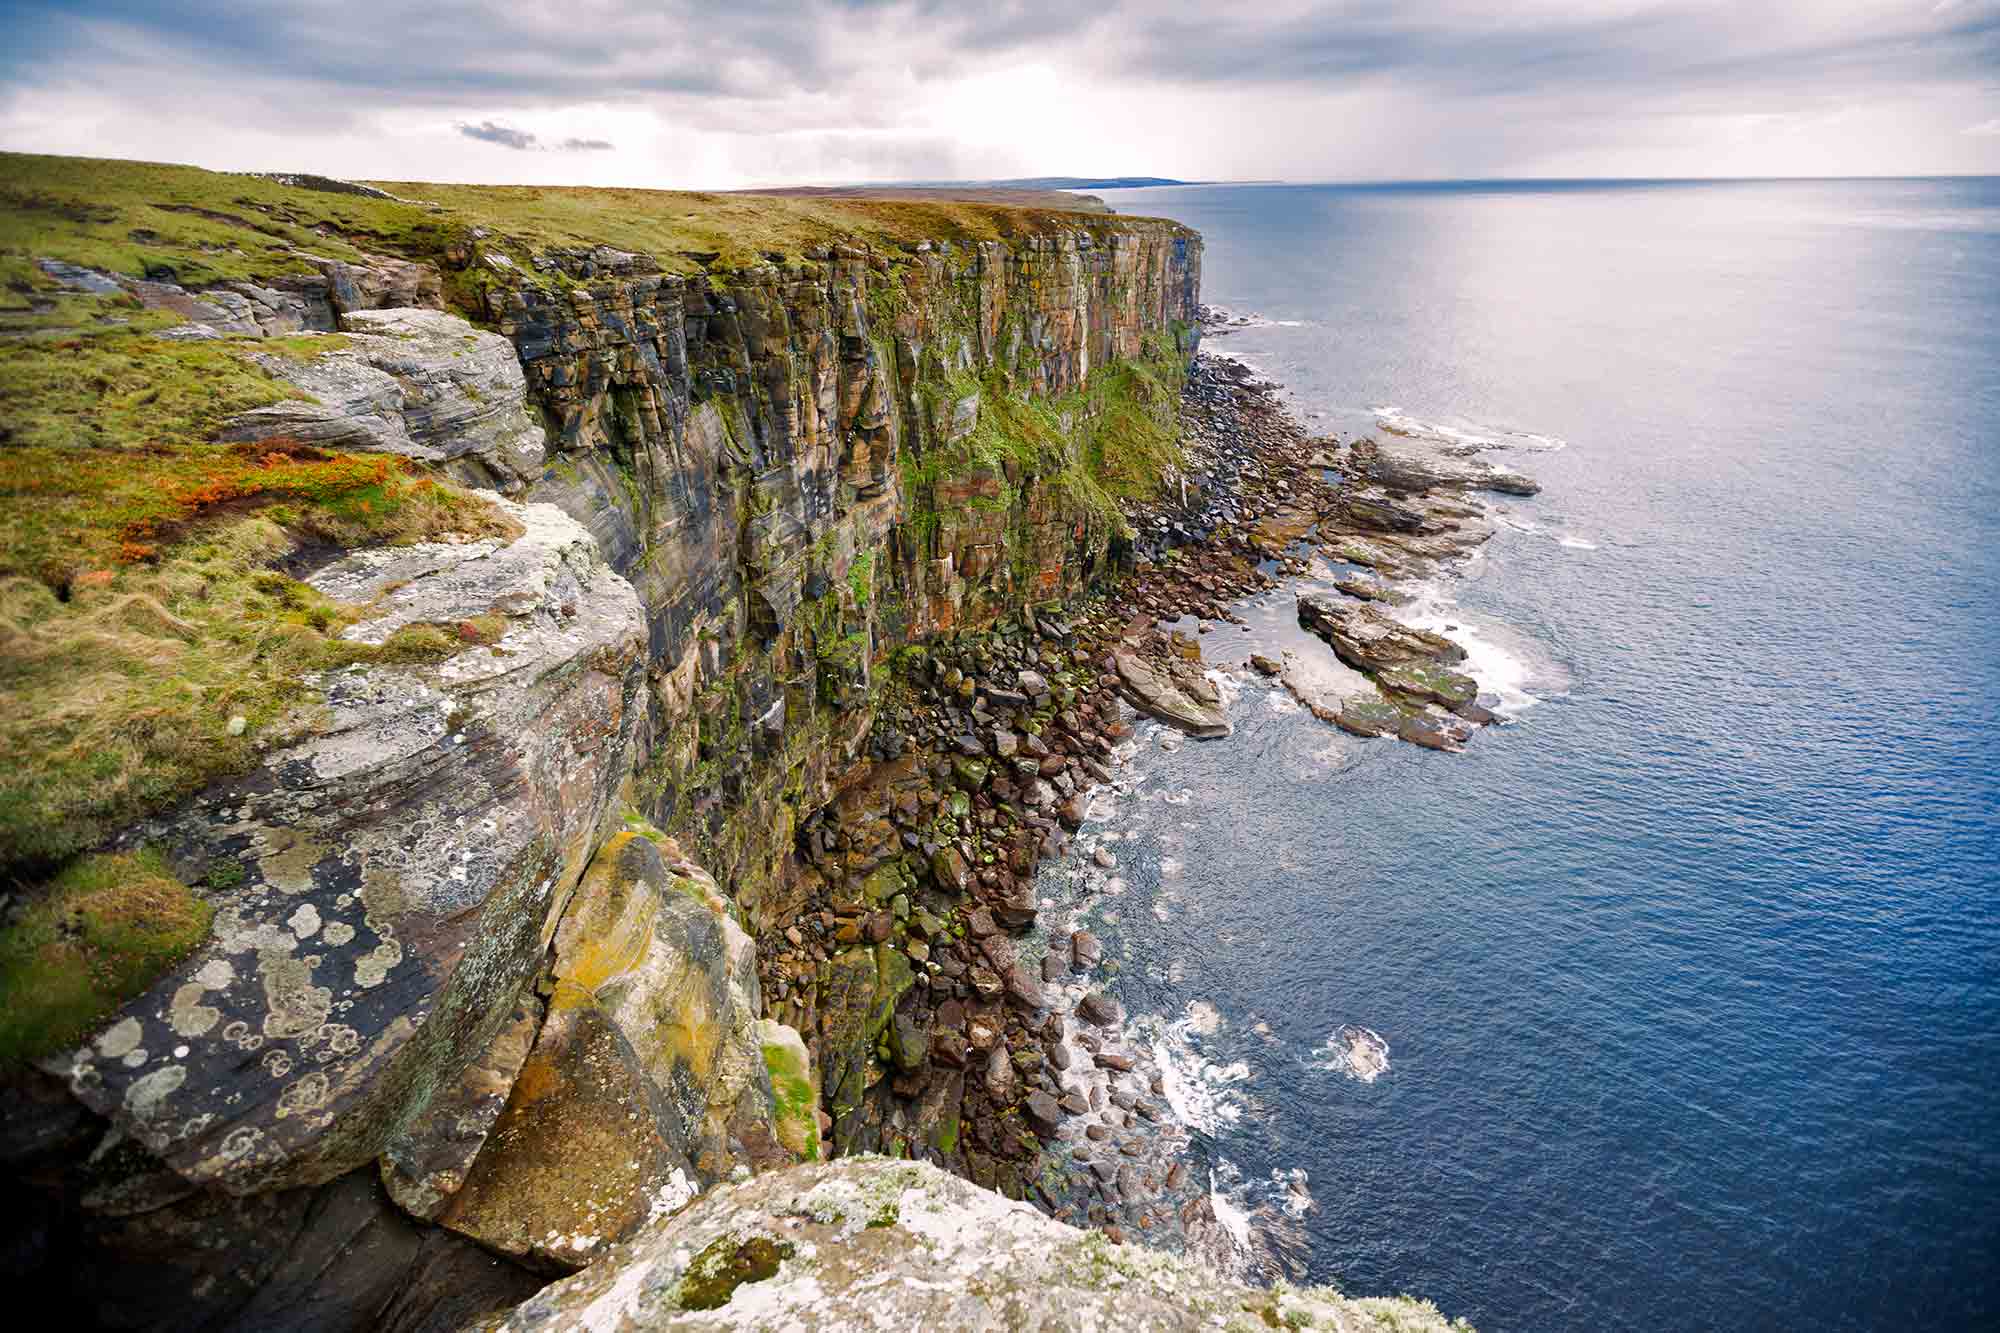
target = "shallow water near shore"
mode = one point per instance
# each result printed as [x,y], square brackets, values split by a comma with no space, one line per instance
[1686,983]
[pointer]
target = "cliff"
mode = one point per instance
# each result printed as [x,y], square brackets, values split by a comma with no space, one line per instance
[410,602]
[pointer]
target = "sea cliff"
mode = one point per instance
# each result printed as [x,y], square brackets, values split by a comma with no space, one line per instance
[537,707]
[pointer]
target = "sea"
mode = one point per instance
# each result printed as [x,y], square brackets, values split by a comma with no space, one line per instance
[1674,1001]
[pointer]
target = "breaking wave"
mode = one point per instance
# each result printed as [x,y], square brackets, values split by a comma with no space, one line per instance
[1358,1052]
[1470,437]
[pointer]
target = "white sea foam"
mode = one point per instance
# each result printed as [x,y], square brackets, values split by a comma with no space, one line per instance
[1470,437]
[1203,1094]
[1500,670]
[1576,543]
[1233,1219]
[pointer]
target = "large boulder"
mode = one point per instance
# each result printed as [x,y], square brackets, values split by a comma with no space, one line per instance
[398,874]
[648,1081]
[870,1243]
[861,988]
[1173,690]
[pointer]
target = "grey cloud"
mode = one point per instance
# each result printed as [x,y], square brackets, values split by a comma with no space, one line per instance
[507,136]
[504,135]
[455,51]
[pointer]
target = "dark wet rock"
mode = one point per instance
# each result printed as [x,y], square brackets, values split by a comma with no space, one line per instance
[1264,665]
[1086,951]
[1434,733]
[1100,1010]
[1044,1113]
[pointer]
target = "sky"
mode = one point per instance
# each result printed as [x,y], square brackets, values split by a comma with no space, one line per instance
[752,92]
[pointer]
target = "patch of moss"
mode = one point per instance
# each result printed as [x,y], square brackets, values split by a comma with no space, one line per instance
[78,947]
[726,1264]
[795,1110]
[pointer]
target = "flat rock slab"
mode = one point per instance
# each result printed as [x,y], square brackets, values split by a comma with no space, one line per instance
[1172,690]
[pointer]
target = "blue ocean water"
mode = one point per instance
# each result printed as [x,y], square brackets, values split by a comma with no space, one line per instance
[1691,975]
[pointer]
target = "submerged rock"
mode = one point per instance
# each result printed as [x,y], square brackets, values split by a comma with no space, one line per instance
[869,1243]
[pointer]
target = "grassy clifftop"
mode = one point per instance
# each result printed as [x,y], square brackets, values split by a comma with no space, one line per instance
[205,227]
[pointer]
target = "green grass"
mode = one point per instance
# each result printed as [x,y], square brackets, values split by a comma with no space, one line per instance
[200,227]
[88,941]
[120,698]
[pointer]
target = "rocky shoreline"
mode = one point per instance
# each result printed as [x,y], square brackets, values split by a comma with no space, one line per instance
[953,1023]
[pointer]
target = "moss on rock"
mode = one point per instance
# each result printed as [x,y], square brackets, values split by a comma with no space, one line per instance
[85,943]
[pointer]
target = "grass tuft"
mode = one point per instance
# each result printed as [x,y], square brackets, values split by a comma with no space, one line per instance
[86,942]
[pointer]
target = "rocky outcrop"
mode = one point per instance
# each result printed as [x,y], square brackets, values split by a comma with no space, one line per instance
[399,871]
[418,383]
[874,1244]
[291,303]
[1406,467]
[1173,690]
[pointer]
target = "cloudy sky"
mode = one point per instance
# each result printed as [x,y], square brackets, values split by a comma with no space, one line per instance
[662,93]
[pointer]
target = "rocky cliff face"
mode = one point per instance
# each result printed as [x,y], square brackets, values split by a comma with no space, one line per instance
[788,464]
[465,994]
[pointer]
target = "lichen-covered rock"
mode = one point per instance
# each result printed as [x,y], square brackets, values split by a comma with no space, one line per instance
[419,383]
[869,1243]
[648,1081]
[399,871]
